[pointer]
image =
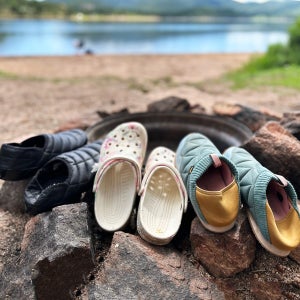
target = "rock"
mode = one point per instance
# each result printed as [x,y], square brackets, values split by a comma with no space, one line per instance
[274,277]
[12,228]
[225,254]
[103,114]
[197,109]
[134,269]
[12,196]
[264,289]
[278,150]
[55,254]
[82,122]
[171,103]
[268,277]
[291,122]
[295,255]
[252,118]
[16,283]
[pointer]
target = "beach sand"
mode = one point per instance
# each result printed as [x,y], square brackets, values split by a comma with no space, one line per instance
[38,94]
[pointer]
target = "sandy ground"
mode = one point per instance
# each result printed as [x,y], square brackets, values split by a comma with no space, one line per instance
[38,94]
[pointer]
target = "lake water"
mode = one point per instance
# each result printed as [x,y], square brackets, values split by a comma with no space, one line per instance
[55,37]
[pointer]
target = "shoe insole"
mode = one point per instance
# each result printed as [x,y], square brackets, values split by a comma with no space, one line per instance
[36,141]
[278,200]
[115,196]
[161,211]
[54,172]
[215,178]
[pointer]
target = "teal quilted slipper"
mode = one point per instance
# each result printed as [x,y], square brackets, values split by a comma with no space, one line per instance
[211,181]
[271,201]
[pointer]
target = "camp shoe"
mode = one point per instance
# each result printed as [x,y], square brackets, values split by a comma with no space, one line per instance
[118,177]
[211,181]
[163,198]
[19,161]
[271,203]
[63,179]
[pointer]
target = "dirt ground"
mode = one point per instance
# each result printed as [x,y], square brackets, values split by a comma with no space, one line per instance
[39,94]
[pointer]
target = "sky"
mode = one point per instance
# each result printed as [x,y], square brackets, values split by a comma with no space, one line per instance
[258,1]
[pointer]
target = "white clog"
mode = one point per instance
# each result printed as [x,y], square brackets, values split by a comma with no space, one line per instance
[119,175]
[163,198]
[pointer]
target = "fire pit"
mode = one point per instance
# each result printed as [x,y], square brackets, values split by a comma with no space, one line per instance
[168,128]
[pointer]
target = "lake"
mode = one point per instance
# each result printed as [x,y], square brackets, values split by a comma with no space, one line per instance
[57,37]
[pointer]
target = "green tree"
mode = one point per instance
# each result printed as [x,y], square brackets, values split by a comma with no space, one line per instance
[294,32]
[280,55]
[294,43]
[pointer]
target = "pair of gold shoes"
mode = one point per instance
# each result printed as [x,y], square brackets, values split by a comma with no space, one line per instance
[215,183]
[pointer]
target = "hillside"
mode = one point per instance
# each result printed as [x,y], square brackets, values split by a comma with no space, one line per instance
[186,7]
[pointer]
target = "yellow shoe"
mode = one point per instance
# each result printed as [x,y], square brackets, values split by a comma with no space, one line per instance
[211,181]
[272,204]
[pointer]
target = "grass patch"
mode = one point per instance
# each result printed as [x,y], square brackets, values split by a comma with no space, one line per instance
[135,85]
[281,76]
[166,80]
[101,79]
[7,75]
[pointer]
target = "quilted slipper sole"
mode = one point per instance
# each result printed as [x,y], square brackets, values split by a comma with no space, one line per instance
[115,196]
[216,229]
[266,244]
[160,210]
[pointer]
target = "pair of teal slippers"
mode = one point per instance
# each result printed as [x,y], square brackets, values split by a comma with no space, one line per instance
[218,184]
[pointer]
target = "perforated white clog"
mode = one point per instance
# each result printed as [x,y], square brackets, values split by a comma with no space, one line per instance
[119,175]
[163,198]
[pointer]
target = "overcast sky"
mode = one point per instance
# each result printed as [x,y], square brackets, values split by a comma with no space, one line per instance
[259,1]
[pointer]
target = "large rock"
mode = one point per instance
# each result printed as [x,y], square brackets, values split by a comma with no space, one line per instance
[252,118]
[12,196]
[55,255]
[135,269]
[274,277]
[295,255]
[291,122]
[278,150]
[12,229]
[268,277]
[224,254]
[171,103]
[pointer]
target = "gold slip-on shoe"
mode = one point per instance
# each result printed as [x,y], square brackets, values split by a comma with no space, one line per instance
[211,181]
[271,202]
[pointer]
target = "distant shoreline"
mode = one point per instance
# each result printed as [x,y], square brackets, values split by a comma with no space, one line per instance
[137,18]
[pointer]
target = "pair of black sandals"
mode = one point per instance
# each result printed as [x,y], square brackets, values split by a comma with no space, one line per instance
[59,166]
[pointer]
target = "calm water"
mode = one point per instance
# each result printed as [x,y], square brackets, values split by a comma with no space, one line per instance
[52,37]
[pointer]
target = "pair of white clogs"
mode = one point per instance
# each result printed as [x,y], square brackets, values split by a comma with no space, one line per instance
[163,197]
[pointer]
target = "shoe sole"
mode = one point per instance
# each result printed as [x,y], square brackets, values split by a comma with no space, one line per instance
[216,229]
[13,175]
[160,210]
[265,244]
[115,197]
